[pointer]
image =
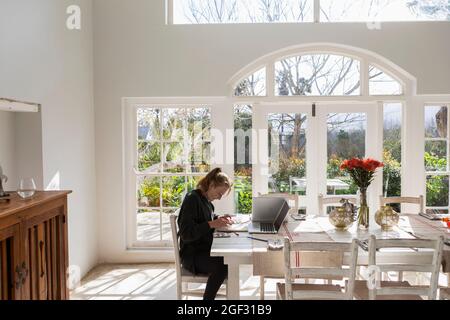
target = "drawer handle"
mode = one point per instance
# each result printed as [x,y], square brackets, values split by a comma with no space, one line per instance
[41,248]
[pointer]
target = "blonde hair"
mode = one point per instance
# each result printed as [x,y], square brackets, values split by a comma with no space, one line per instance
[216,178]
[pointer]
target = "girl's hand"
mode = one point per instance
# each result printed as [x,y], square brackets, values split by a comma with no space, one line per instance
[220,222]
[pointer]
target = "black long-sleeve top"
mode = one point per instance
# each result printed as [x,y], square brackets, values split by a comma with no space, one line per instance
[196,236]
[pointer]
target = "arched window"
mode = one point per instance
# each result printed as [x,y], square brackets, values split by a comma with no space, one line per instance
[317,75]
[380,83]
[321,73]
[253,85]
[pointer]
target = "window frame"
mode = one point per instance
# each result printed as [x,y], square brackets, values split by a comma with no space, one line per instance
[438,172]
[316,17]
[130,157]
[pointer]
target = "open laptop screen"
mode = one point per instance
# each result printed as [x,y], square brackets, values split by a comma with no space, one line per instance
[283,212]
[266,209]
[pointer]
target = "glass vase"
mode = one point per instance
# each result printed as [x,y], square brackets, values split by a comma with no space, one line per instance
[363,212]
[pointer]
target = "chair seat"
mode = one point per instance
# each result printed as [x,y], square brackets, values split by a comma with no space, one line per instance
[307,287]
[361,291]
[188,276]
[444,294]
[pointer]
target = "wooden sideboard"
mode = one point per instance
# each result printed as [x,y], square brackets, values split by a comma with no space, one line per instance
[33,247]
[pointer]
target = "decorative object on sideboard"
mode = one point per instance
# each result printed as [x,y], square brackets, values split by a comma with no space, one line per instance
[3,194]
[27,188]
[386,218]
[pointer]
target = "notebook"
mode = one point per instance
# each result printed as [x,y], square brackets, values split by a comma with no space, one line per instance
[240,224]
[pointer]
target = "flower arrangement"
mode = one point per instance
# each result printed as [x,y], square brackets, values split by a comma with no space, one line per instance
[362,173]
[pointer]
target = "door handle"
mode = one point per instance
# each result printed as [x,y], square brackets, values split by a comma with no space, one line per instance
[41,248]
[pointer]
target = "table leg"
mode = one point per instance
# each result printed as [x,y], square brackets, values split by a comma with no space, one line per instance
[233,292]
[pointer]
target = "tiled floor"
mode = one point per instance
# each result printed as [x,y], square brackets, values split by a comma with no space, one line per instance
[157,282]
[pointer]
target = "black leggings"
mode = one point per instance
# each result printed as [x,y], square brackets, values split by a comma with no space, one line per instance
[217,271]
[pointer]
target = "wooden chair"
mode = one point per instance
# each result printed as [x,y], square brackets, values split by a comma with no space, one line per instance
[334,200]
[291,290]
[416,200]
[184,277]
[276,269]
[444,294]
[399,200]
[401,290]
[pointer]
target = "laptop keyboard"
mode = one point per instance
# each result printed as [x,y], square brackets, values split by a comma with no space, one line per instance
[267,227]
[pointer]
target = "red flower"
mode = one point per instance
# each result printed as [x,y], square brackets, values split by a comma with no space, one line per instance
[361,170]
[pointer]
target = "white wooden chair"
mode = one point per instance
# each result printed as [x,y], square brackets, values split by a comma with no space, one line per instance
[444,294]
[325,201]
[277,265]
[416,200]
[185,277]
[291,290]
[401,290]
[399,200]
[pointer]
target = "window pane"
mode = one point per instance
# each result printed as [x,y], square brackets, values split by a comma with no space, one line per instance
[148,192]
[148,225]
[436,122]
[437,191]
[392,149]
[192,183]
[384,10]
[174,157]
[254,85]
[173,124]
[149,157]
[242,11]
[287,153]
[317,75]
[199,157]
[174,189]
[199,124]
[242,159]
[381,83]
[435,155]
[148,122]
[346,139]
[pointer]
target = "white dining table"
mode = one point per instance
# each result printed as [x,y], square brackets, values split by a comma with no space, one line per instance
[237,249]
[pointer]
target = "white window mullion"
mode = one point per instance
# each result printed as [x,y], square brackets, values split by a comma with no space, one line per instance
[169,12]
[270,79]
[316,11]
[364,76]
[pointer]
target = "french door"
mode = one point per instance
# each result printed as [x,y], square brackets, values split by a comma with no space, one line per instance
[300,148]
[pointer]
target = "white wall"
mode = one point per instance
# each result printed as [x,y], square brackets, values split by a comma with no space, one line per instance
[7,149]
[137,55]
[42,61]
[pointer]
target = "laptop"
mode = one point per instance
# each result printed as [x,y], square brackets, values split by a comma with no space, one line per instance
[268,214]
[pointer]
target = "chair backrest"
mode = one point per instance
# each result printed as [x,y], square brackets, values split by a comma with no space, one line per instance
[292,200]
[176,244]
[430,267]
[292,272]
[334,200]
[417,200]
